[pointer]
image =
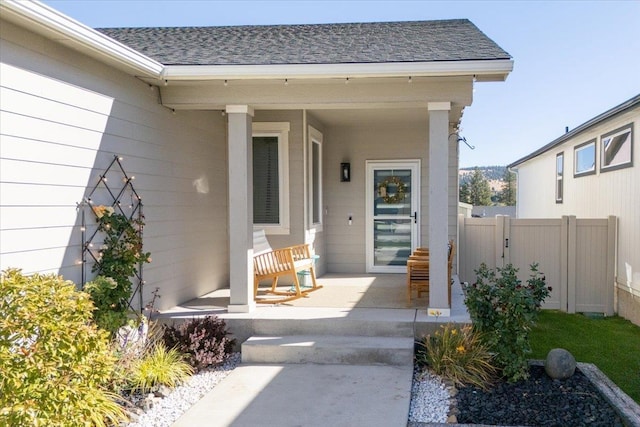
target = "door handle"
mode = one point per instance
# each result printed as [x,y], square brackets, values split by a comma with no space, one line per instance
[415,217]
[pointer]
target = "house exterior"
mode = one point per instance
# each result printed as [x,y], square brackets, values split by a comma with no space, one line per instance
[593,172]
[348,129]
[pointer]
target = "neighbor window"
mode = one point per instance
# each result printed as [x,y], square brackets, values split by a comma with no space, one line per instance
[559,176]
[584,159]
[617,149]
[315,178]
[271,177]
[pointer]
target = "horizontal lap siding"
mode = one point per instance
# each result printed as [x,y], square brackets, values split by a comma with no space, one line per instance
[63,118]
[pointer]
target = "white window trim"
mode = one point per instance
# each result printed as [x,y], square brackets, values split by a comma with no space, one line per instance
[315,137]
[281,130]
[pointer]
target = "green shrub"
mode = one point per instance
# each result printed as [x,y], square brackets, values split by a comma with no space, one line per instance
[109,314]
[159,367]
[204,341]
[458,355]
[504,310]
[55,363]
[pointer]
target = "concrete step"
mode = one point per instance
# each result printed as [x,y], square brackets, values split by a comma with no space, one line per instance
[335,326]
[329,349]
[280,321]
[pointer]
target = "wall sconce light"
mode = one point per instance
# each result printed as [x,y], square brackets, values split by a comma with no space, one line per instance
[345,172]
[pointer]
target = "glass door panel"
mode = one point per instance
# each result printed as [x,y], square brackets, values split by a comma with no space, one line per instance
[392,215]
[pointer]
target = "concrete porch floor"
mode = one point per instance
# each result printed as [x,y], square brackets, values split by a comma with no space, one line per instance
[358,297]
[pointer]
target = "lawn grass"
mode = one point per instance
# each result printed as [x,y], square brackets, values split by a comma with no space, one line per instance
[611,343]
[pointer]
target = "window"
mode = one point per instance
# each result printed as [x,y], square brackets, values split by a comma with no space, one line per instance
[617,149]
[315,178]
[584,159]
[559,176]
[271,177]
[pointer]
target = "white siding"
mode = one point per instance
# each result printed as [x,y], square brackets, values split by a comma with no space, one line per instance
[614,192]
[63,117]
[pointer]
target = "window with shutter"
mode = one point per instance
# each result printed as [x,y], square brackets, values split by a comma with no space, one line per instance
[271,177]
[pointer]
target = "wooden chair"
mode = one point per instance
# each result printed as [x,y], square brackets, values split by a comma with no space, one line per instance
[418,271]
[417,275]
[271,264]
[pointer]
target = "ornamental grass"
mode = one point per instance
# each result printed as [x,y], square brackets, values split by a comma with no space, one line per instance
[457,354]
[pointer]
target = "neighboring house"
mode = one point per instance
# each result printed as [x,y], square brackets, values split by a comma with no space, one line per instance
[593,172]
[489,211]
[197,112]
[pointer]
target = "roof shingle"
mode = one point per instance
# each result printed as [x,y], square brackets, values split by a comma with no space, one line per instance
[378,42]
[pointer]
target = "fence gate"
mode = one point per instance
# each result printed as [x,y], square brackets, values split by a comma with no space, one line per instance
[577,256]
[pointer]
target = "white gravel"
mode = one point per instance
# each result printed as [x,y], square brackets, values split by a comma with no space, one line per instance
[429,397]
[169,409]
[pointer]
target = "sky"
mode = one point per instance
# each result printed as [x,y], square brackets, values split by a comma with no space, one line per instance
[572,59]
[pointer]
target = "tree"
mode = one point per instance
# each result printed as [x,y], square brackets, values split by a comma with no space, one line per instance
[479,190]
[465,195]
[507,196]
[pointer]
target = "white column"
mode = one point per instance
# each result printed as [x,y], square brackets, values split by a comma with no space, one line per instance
[438,208]
[240,166]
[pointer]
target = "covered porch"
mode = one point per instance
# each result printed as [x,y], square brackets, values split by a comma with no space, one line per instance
[371,304]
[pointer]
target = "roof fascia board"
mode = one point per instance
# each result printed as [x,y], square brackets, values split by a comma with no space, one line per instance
[621,108]
[486,70]
[64,29]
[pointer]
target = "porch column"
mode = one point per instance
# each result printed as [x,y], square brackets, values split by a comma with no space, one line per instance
[438,208]
[240,166]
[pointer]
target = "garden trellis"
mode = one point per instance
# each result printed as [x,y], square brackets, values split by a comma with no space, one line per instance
[114,188]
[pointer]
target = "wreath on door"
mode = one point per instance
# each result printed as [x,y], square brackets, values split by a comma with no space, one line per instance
[391,198]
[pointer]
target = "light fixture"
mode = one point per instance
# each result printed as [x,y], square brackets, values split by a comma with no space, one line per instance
[345,172]
[346,81]
[410,80]
[226,83]
[166,82]
[286,82]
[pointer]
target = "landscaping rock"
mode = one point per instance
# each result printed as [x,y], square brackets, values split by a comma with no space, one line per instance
[560,364]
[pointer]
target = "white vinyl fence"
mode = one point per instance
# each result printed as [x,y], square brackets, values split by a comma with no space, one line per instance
[577,256]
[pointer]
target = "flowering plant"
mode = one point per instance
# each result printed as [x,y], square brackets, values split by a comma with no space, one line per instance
[458,354]
[119,257]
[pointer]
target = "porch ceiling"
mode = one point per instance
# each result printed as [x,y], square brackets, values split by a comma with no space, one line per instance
[386,117]
[336,101]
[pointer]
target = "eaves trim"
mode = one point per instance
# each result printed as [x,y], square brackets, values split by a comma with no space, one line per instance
[627,105]
[484,70]
[64,29]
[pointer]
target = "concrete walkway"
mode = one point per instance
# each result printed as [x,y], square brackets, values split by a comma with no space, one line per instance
[325,367]
[309,395]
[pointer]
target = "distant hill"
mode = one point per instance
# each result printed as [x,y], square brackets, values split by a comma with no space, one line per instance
[491,173]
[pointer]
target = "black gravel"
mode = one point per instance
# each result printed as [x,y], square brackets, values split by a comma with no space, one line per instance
[539,401]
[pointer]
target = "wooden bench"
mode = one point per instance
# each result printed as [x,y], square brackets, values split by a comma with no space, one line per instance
[271,264]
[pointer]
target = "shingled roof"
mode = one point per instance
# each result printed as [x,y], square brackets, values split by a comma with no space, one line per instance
[379,42]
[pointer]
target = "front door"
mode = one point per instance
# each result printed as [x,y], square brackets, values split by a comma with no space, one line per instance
[392,214]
